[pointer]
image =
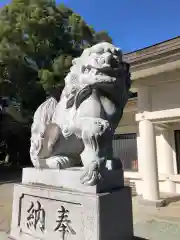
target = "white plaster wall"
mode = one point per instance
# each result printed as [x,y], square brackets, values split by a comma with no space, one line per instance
[128,119]
[162,186]
[165,96]
[178,188]
[127,124]
[160,152]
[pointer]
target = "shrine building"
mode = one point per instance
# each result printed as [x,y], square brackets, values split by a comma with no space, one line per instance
[148,137]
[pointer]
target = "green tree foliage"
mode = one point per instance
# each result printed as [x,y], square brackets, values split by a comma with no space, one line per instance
[38,41]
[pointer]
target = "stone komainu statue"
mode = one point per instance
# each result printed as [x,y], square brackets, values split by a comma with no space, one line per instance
[80,127]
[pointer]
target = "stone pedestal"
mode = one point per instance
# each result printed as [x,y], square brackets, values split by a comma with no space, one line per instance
[46,212]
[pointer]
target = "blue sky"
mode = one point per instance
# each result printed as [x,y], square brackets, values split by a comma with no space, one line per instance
[133,24]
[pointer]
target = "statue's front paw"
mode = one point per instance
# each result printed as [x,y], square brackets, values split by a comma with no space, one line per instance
[91,176]
[57,162]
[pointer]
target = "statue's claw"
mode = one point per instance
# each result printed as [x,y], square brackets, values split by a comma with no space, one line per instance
[63,162]
[58,162]
[92,175]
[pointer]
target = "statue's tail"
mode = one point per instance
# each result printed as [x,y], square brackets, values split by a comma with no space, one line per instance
[42,117]
[45,111]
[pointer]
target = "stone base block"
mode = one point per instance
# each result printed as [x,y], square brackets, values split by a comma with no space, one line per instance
[70,179]
[45,213]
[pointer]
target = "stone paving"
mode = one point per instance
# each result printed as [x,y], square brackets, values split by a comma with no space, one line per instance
[149,223]
[157,223]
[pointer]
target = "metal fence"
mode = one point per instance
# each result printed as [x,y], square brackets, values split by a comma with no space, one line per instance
[125,148]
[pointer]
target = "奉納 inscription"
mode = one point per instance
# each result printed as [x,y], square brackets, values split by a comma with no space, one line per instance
[36,216]
[63,222]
